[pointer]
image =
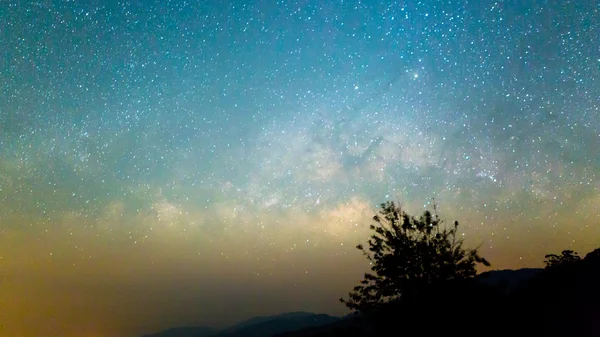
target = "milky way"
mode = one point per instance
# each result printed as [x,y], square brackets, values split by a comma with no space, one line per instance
[151,150]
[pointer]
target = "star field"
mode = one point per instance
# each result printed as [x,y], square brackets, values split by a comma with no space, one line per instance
[162,161]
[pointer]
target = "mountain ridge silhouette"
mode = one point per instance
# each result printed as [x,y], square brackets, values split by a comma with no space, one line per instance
[260,326]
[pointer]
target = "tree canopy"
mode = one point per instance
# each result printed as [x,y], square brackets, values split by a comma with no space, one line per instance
[566,256]
[406,254]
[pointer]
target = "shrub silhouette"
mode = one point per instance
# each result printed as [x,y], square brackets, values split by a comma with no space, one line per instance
[567,256]
[408,255]
[593,255]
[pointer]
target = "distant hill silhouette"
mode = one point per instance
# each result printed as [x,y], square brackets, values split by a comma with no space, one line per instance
[263,319]
[266,327]
[507,280]
[256,327]
[349,326]
[197,331]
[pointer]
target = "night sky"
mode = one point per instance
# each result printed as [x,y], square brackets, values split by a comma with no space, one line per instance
[167,163]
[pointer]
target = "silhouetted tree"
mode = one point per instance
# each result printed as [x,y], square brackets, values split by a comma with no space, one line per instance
[408,254]
[567,256]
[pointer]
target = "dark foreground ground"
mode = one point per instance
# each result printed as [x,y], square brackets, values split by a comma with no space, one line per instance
[560,301]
